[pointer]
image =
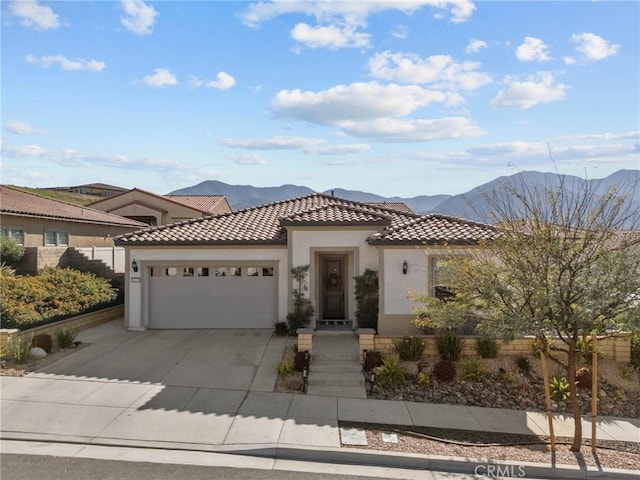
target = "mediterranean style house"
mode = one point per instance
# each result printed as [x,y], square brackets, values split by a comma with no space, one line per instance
[234,270]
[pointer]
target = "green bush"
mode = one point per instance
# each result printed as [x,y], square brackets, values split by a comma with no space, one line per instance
[286,367]
[449,346]
[409,348]
[65,338]
[635,350]
[302,308]
[372,359]
[390,373]
[524,365]
[53,294]
[473,370]
[559,388]
[487,347]
[367,299]
[585,350]
[281,329]
[10,251]
[424,379]
[20,351]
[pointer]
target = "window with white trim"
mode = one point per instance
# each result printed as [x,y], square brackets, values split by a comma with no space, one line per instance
[53,238]
[14,233]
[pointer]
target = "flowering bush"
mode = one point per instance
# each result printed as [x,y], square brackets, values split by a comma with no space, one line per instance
[55,292]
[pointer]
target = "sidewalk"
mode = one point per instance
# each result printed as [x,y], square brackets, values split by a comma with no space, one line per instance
[106,412]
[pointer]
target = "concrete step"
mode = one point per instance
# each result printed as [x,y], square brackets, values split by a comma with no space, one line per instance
[330,366]
[337,356]
[348,392]
[335,378]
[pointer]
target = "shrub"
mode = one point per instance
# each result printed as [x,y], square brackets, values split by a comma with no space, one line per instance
[65,338]
[367,299]
[10,251]
[390,373]
[487,347]
[584,378]
[424,379]
[285,367]
[301,361]
[281,329]
[535,345]
[508,377]
[302,308]
[524,365]
[409,348]
[444,371]
[449,346]
[635,350]
[585,350]
[20,351]
[559,388]
[473,370]
[372,359]
[53,294]
[44,341]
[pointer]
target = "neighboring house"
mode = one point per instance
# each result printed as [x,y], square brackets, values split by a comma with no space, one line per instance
[95,189]
[48,228]
[234,270]
[154,209]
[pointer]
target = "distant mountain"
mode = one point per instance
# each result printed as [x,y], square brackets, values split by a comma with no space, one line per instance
[470,205]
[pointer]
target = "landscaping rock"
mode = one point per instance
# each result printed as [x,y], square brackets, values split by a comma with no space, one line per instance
[38,352]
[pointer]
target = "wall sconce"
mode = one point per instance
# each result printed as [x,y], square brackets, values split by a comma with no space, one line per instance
[405,267]
[134,265]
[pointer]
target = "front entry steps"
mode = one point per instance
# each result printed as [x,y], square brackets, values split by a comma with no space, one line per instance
[335,369]
[346,325]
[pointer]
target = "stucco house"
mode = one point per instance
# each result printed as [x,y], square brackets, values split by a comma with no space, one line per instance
[153,209]
[49,228]
[233,270]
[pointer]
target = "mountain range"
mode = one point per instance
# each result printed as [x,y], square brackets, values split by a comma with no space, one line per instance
[468,205]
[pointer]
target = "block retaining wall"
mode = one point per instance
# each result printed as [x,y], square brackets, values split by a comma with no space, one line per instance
[77,323]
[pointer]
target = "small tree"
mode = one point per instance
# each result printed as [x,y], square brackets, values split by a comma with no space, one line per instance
[367,296]
[10,251]
[562,264]
[302,308]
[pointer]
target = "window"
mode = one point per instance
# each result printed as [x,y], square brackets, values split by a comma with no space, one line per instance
[439,272]
[52,238]
[16,234]
[203,271]
[155,271]
[188,271]
[252,272]
[171,271]
[267,271]
[235,271]
[221,272]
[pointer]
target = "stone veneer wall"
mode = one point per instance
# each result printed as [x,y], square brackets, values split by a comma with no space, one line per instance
[80,322]
[617,348]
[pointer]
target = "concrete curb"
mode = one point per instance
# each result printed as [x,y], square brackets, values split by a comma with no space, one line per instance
[353,456]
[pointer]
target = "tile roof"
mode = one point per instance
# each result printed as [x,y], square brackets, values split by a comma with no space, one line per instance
[204,203]
[265,224]
[17,202]
[399,206]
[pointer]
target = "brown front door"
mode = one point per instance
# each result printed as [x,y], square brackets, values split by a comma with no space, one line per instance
[333,288]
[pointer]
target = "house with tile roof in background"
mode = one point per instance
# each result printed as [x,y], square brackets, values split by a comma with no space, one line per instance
[154,209]
[234,270]
[56,233]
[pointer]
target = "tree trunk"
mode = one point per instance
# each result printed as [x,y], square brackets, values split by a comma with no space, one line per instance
[575,404]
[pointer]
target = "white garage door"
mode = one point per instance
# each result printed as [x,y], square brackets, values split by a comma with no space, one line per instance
[212,297]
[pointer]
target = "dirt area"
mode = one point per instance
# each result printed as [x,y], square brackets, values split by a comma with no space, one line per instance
[289,383]
[499,446]
[12,369]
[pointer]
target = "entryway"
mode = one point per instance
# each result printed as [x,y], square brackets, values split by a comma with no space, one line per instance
[333,293]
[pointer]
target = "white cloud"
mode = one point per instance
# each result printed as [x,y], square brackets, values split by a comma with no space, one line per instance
[568,60]
[223,81]
[20,127]
[399,130]
[34,15]
[259,12]
[401,32]
[533,49]
[138,17]
[475,46]
[249,159]
[441,70]
[23,151]
[634,135]
[160,78]
[329,36]
[594,47]
[539,151]
[79,64]
[535,90]
[310,145]
[357,101]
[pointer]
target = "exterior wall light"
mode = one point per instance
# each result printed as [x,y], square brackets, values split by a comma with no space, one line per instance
[405,267]
[134,265]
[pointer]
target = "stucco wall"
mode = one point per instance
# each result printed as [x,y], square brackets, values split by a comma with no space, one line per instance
[136,306]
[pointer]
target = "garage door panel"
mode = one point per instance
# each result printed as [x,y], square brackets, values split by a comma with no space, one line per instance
[212,302]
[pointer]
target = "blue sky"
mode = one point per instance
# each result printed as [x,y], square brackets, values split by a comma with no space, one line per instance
[393,97]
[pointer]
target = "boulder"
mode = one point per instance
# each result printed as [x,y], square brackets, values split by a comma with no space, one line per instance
[38,352]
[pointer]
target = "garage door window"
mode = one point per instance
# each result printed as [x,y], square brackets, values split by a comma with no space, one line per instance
[171,272]
[221,272]
[188,272]
[235,271]
[252,272]
[267,271]
[203,271]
